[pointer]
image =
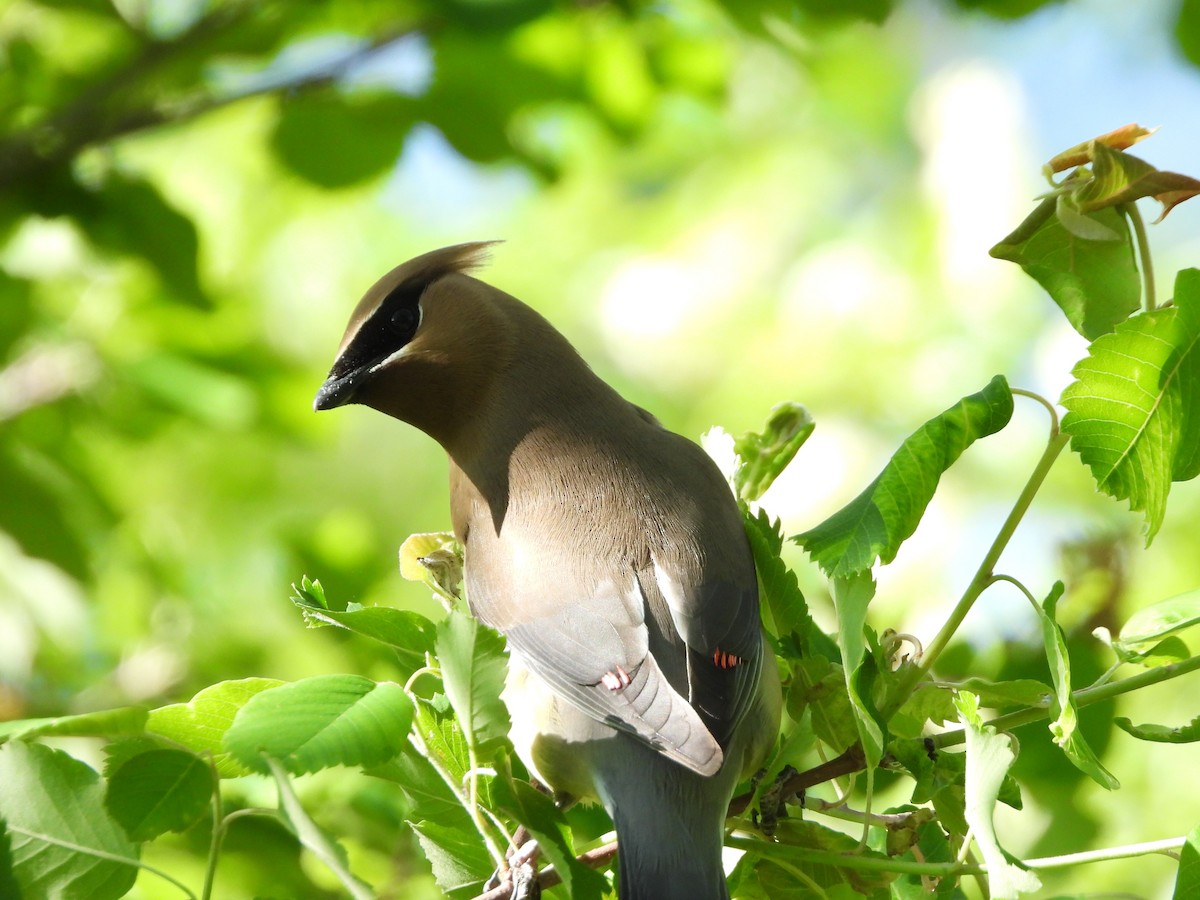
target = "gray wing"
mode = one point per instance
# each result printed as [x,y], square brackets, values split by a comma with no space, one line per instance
[596,654]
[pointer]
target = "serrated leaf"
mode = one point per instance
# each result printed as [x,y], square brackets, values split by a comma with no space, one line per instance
[201,723]
[1064,727]
[1161,734]
[123,721]
[443,737]
[1151,624]
[409,633]
[459,859]
[426,791]
[52,806]
[784,607]
[1094,282]
[989,757]
[313,837]
[546,822]
[881,518]
[474,664]
[764,455]
[1134,408]
[158,791]
[1187,881]
[318,722]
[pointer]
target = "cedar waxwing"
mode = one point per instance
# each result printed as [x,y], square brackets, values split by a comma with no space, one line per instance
[609,551]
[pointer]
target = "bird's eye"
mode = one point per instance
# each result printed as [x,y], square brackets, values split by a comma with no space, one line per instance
[404,320]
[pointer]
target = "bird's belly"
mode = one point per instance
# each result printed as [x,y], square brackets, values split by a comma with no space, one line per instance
[555,740]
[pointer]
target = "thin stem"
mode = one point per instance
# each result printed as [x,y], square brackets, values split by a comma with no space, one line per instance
[1008,579]
[218,835]
[903,866]
[1143,244]
[1083,697]
[1089,856]
[981,580]
[1050,408]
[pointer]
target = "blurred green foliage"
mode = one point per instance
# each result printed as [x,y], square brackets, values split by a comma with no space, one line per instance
[194,192]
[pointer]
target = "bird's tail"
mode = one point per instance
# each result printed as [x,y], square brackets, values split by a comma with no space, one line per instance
[670,827]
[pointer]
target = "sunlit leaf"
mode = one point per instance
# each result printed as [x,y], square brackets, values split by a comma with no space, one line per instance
[1187,882]
[126,720]
[425,789]
[1161,734]
[850,598]
[1121,178]
[459,859]
[989,757]
[159,791]
[881,518]
[201,723]
[1094,282]
[313,837]
[1134,408]
[323,721]
[764,455]
[784,608]
[1151,624]
[62,842]
[435,560]
[1065,726]
[474,665]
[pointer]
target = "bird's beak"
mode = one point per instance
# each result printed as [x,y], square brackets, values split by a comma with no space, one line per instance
[338,390]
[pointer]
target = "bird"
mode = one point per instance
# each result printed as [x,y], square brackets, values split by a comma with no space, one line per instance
[609,551]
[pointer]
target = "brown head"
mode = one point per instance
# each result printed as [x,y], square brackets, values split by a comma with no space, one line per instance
[423,343]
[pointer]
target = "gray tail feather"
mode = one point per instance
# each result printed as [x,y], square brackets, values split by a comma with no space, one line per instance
[670,827]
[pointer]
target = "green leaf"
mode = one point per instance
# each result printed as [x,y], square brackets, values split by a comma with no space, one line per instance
[318,722]
[131,216]
[882,517]
[57,827]
[409,633]
[1134,408]
[850,598]
[313,837]
[474,665]
[159,791]
[443,736]
[426,791]
[126,720]
[1187,882]
[546,822]
[1148,626]
[201,723]
[1161,734]
[763,456]
[459,859]
[1118,177]
[820,685]
[1064,727]
[1094,282]
[779,882]
[1187,35]
[335,140]
[989,757]
[1026,692]
[784,607]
